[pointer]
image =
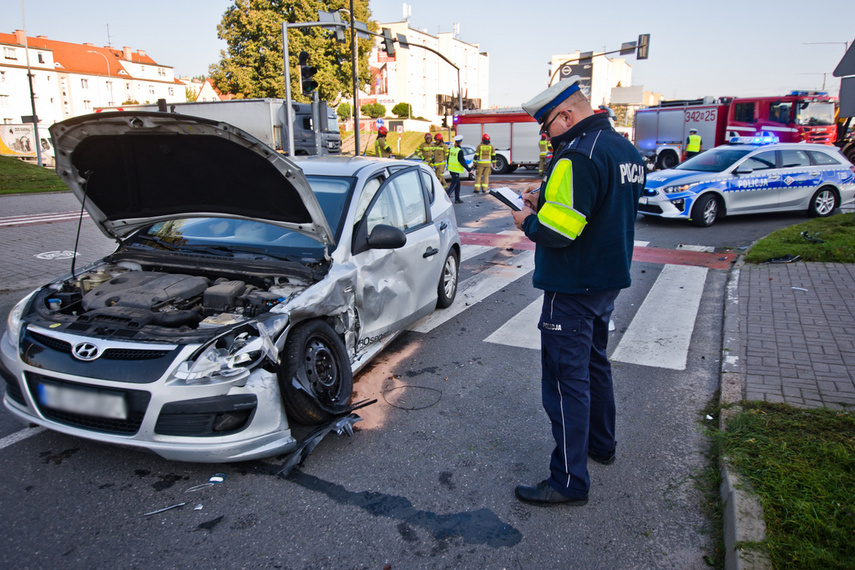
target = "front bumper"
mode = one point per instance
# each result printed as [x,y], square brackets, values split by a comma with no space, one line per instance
[657,203]
[204,423]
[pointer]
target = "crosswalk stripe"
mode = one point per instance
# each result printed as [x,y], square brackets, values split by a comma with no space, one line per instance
[661,330]
[477,288]
[521,330]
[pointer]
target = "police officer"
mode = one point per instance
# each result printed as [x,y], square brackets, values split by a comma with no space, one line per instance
[545,147]
[582,220]
[485,156]
[456,166]
[425,150]
[381,147]
[440,157]
[694,144]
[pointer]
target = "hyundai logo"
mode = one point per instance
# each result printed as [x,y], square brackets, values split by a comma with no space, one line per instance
[86,351]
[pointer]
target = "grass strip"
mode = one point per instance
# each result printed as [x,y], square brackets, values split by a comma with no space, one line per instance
[837,234]
[801,463]
[17,176]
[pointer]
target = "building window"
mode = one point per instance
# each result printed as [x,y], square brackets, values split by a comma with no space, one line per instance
[4,100]
[2,77]
[10,53]
[7,121]
[84,83]
[41,58]
[171,91]
[87,104]
[161,72]
[151,89]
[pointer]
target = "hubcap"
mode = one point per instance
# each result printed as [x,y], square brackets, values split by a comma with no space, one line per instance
[825,202]
[710,211]
[449,277]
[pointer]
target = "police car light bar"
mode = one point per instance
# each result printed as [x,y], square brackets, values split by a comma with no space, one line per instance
[766,139]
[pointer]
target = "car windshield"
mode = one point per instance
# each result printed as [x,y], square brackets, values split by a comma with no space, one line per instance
[714,160]
[222,235]
[815,114]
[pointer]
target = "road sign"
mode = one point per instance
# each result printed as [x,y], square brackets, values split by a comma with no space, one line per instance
[379,122]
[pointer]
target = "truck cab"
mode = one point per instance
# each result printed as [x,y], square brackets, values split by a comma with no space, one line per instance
[801,116]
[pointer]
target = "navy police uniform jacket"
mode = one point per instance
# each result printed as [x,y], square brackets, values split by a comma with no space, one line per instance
[585,225]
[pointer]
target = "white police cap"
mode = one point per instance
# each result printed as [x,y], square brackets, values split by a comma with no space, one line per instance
[458,138]
[544,102]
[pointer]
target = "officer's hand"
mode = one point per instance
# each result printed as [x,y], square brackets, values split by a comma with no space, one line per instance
[521,215]
[530,196]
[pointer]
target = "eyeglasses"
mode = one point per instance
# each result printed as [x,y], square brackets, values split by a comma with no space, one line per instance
[544,130]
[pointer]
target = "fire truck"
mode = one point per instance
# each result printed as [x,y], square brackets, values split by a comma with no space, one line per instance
[513,133]
[801,116]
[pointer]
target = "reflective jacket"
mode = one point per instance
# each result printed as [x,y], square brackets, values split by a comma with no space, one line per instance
[381,147]
[693,143]
[485,154]
[585,225]
[544,147]
[455,157]
[440,154]
[425,151]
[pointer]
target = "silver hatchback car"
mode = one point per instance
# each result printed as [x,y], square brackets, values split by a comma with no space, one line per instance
[246,291]
[749,176]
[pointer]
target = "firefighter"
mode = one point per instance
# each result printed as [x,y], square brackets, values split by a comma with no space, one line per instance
[485,156]
[694,144]
[426,149]
[381,147]
[440,157]
[545,148]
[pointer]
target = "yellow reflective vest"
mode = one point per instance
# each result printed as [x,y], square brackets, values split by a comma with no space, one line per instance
[694,144]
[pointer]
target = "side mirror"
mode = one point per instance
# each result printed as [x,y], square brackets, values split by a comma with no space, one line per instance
[386,237]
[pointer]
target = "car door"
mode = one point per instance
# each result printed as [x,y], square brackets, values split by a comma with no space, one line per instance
[757,190]
[799,179]
[396,287]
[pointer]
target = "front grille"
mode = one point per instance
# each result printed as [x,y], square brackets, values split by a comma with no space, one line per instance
[137,402]
[111,353]
[649,208]
[52,343]
[13,389]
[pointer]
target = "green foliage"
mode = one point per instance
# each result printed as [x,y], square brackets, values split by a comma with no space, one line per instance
[373,110]
[801,463]
[17,176]
[344,111]
[190,94]
[402,110]
[252,66]
[837,234]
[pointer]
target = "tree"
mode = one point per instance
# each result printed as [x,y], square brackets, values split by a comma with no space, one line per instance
[252,65]
[190,94]
[373,110]
[402,110]
[344,111]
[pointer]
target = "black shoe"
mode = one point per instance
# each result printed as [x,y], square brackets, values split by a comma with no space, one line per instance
[545,494]
[458,201]
[603,459]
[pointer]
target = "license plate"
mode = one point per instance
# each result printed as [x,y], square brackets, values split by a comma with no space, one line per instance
[86,402]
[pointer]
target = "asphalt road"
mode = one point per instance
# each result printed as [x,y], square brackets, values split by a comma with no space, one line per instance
[427,479]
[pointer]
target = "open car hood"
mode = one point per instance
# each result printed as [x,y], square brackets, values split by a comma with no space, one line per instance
[132,169]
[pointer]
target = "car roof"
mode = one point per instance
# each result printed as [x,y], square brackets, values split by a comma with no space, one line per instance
[784,146]
[343,165]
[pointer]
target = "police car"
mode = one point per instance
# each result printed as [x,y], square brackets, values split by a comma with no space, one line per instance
[750,175]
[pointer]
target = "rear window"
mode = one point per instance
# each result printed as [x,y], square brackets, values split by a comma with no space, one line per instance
[794,158]
[819,158]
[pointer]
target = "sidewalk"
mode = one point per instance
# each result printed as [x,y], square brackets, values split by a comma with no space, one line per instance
[789,336]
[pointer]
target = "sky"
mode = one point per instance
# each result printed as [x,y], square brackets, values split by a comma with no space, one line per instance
[725,48]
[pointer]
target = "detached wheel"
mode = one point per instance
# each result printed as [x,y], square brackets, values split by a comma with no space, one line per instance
[315,357]
[705,211]
[823,203]
[447,290]
[501,165]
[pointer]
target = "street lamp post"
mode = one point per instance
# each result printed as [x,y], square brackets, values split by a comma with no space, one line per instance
[109,78]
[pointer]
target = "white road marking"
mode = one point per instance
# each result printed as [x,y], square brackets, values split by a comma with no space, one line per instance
[701,248]
[521,330]
[19,436]
[477,288]
[661,330]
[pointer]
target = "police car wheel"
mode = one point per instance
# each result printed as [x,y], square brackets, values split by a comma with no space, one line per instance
[823,203]
[705,211]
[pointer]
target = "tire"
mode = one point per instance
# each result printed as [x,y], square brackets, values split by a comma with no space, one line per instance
[501,165]
[513,168]
[667,160]
[823,202]
[705,211]
[447,288]
[315,354]
[530,167]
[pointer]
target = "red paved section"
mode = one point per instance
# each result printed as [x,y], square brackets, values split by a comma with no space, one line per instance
[646,254]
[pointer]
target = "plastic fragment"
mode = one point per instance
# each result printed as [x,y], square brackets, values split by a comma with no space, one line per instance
[789,258]
[709,417]
[198,507]
[798,288]
[176,506]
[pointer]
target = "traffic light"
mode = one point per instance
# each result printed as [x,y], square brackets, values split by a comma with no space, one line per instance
[388,42]
[307,73]
[643,46]
[445,121]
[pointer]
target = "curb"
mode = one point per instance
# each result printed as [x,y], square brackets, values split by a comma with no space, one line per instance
[743,514]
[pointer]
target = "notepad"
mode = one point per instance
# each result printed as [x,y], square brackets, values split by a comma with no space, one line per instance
[508,197]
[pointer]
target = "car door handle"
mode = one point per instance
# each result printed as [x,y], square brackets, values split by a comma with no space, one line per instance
[774,177]
[443,226]
[430,252]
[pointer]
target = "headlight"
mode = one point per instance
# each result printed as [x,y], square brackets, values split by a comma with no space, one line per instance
[14,322]
[222,361]
[680,188]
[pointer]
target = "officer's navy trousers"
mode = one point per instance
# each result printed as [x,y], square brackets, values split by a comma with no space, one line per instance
[577,384]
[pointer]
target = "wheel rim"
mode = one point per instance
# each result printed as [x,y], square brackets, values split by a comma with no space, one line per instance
[449,276]
[710,211]
[824,203]
[321,369]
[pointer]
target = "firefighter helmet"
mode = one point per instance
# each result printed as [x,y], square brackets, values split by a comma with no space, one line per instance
[382,131]
[427,137]
[485,138]
[438,137]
